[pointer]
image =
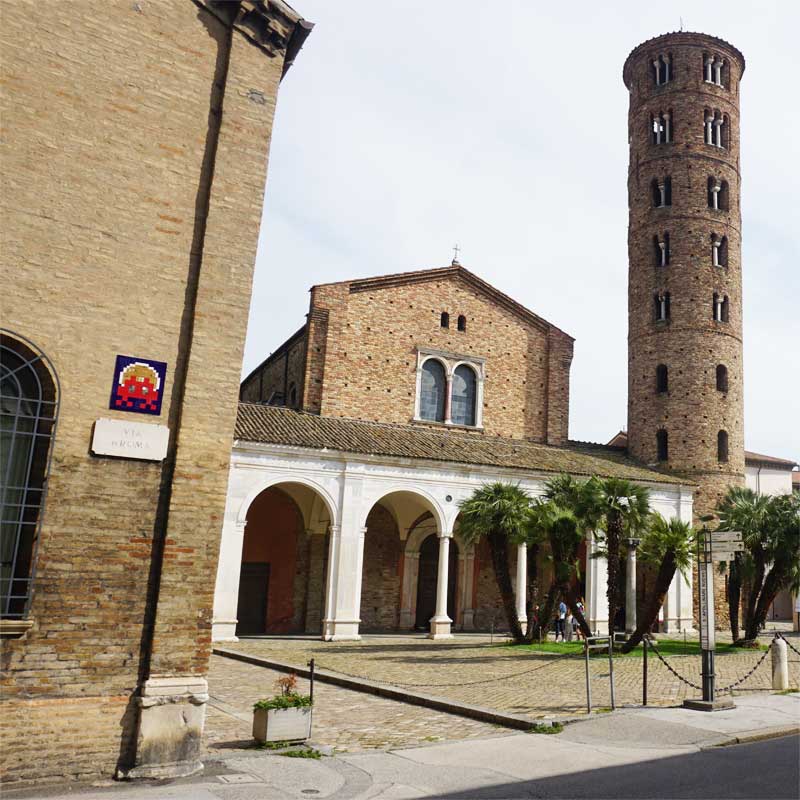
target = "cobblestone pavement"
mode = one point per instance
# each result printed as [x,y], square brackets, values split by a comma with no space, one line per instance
[470,669]
[347,720]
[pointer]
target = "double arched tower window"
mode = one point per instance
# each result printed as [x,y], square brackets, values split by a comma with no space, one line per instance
[449,390]
[28,413]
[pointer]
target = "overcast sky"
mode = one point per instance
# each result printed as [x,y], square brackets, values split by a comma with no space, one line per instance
[407,126]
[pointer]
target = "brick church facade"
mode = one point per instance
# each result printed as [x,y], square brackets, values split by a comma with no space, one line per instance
[357,438]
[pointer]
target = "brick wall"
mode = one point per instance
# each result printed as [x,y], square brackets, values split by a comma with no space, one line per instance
[362,345]
[116,242]
[380,582]
[274,380]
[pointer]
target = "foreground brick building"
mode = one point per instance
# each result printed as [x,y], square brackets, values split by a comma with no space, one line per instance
[357,438]
[133,164]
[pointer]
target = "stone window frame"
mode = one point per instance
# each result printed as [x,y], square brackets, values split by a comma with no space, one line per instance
[715,70]
[450,362]
[661,128]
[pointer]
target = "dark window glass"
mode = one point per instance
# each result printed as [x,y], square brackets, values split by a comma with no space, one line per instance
[662,378]
[432,391]
[722,446]
[462,323]
[462,410]
[28,411]
[662,445]
[445,320]
[722,378]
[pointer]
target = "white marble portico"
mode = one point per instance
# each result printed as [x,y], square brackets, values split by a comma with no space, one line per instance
[346,486]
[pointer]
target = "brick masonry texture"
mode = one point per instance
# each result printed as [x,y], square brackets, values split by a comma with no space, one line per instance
[691,344]
[362,339]
[110,114]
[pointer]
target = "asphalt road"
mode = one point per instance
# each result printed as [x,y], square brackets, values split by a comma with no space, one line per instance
[765,770]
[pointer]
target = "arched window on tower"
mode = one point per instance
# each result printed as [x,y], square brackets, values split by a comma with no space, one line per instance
[661,127]
[662,306]
[722,447]
[715,70]
[719,250]
[433,391]
[718,194]
[28,414]
[444,320]
[716,128]
[662,445]
[661,69]
[662,250]
[661,189]
[662,379]
[722,378]
[721,308]
[464,395]
[462,323]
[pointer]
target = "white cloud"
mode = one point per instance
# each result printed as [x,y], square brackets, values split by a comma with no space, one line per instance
[405,127]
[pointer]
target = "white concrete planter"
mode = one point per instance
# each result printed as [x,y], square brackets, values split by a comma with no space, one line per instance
[282,724]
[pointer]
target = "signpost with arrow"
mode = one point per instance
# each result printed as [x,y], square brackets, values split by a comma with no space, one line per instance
[713,547]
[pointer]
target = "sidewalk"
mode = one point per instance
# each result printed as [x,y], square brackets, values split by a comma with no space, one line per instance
[504,767]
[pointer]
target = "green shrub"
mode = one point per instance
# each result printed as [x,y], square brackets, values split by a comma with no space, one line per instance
[291,700]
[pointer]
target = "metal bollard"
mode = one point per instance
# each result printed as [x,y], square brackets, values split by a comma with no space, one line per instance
[780,664]
[644,671]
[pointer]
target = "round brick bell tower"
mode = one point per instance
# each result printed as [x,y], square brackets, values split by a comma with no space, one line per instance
[685,404]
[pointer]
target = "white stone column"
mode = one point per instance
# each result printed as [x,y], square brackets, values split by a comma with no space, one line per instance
[657,66]
[440,622]
[662,192]
[448,397]
[667,127]
[663,248]
[630,587]
[708,61]
[467,598]
[408,600]
[718,62]
[226,590]
[715,190]
[343,596]
[718,132]
[715,245]
[709,133]
[522,583]
[596,589]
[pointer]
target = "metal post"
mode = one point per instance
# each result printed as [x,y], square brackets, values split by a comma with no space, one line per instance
[644,671]
[588,681]
[311,681]
[611,669]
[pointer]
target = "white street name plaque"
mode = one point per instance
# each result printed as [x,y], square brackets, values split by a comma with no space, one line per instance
[123,439]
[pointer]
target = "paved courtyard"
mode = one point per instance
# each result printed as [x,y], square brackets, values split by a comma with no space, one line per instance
[349,721]
[472,670]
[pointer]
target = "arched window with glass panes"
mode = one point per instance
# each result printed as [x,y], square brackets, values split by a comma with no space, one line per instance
[464,396]
[29,400]
[433,391]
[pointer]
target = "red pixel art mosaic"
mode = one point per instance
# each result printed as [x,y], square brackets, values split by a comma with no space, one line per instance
[138,385]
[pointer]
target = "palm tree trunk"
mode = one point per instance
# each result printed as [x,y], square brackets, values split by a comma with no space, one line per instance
[546,613]
[734,595]
[666,572]
[776,579]
[612,592]
[499,550]
[755,589]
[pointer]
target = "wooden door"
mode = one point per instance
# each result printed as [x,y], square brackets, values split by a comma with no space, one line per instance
[251,610]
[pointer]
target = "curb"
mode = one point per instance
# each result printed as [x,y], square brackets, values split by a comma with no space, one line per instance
[515,721]
[758,735]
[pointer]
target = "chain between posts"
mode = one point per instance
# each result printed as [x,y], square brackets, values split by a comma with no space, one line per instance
[652,644]
[747,674]
[779,635]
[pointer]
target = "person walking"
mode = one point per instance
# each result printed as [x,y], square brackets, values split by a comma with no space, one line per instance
[560,621]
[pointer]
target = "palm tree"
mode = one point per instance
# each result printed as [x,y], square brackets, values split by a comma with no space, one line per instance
[667,546]
[743,510]
[781,543]
[613,505]
[564,533]
[499,511]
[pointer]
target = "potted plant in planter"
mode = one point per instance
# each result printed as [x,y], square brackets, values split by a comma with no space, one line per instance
[286,717]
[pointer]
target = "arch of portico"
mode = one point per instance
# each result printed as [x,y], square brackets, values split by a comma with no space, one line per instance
[463,610]
[341,492]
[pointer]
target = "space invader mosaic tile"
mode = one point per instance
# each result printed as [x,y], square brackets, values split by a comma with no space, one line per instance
[139,385]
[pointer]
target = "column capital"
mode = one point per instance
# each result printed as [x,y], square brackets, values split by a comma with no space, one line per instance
[445,534]
[634,543]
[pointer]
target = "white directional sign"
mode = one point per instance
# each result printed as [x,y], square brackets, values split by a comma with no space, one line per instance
[723,555]
[733,537]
